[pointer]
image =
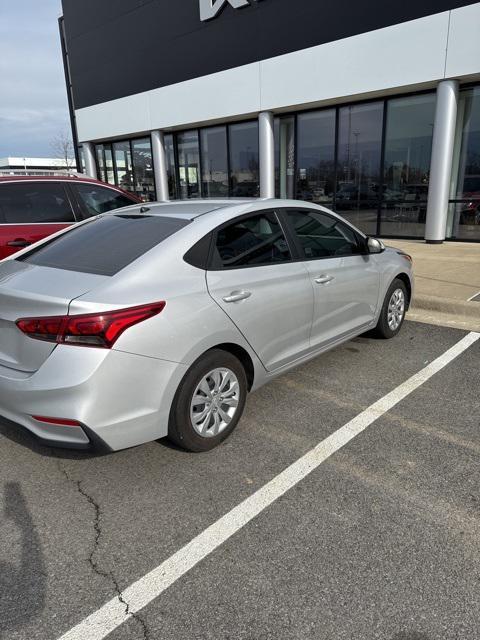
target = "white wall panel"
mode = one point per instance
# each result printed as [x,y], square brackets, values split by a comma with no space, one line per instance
[463,56]
[406,54]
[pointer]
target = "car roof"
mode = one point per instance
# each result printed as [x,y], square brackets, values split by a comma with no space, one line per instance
[185,209]
[68,178]
[61,178]
[191,209]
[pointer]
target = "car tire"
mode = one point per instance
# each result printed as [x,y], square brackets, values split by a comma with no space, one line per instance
[394,308]
[217,378]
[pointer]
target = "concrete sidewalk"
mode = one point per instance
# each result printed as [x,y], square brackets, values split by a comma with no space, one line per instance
[447,276]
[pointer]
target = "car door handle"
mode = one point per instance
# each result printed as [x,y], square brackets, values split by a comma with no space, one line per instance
[19,242]
[324,279]
[237,296]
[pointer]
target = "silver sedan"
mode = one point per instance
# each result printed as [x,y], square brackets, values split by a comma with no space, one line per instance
[159,320]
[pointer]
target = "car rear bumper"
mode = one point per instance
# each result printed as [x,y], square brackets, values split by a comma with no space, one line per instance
[119,399]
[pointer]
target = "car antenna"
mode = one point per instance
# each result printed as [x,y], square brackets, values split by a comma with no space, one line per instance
[144,209]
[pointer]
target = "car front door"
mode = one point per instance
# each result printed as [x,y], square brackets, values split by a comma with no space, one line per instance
[30,211]
[266,294]
[345,278]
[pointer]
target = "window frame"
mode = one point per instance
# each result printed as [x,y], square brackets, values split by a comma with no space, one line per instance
[213,266]
[299,250]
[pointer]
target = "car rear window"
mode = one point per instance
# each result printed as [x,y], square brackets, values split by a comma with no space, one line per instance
[105,244]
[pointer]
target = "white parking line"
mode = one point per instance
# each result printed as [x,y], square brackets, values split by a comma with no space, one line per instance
[138,595]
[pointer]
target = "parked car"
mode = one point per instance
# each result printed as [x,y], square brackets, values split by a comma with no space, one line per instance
[32,207]
[158,320]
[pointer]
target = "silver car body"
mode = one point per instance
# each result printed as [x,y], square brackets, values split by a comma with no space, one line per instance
[123,396]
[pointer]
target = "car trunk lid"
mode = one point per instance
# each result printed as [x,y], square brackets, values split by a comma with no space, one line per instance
[32,291]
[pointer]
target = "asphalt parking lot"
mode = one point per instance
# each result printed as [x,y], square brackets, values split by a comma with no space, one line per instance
[380,541]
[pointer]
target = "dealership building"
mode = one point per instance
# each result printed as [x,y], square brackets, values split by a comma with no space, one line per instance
[368,107]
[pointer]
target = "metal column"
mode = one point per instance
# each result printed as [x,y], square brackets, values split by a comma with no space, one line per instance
[160,165]
[267,154]
[442,157]
[89,155]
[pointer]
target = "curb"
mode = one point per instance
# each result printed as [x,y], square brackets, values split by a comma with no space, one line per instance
[458,308]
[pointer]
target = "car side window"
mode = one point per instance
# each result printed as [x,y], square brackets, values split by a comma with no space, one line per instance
[254,241]
[322,236]
[34,202]
[97,199]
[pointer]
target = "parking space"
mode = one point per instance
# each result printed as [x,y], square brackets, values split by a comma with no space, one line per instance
[380,541]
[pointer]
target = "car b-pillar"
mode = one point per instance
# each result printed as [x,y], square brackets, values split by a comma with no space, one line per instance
[442,159]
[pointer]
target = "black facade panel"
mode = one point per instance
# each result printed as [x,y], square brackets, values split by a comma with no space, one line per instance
[122,47]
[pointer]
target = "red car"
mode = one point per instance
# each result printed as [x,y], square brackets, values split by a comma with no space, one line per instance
[33,207]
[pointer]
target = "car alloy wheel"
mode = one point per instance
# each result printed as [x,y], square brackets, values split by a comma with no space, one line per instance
[396,309]
[215,402]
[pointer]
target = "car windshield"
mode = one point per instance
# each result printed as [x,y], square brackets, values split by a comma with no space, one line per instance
[104,245]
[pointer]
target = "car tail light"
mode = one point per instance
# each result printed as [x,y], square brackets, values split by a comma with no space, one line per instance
[88,330]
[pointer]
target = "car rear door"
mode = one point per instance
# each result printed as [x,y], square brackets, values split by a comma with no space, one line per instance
[345,278]
[265,293]
[30,211]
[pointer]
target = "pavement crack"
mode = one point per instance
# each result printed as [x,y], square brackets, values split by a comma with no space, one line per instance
[92,560]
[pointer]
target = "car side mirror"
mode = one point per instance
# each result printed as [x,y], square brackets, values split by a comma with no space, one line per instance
[375,245]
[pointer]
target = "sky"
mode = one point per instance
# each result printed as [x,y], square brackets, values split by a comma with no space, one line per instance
[33,100]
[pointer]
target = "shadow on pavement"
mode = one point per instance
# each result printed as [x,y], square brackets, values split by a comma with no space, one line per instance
[20,435]
[22,579]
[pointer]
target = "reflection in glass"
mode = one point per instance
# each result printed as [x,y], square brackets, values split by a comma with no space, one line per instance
[285,157]
[408,148]
[170,159]
[244,160]
[316,156]
[143,169]
[123,163]
[81,154]
[464,211]
[359,162]
[109,172]
[99,151]
[214,162]
[188,164]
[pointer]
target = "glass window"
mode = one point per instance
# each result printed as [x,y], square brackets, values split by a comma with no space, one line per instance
[105,163]
[408,148]
[188,164]
[109,172]
[171,173]
[359,164]
[285,157]
[105,245]
[244,160]
[214,162]
[253,241]
[464,214]
[81,154]
[316,156]
[143,169]
[101,170]
[97,199]
[323,236]
[123,165]
[34,202]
